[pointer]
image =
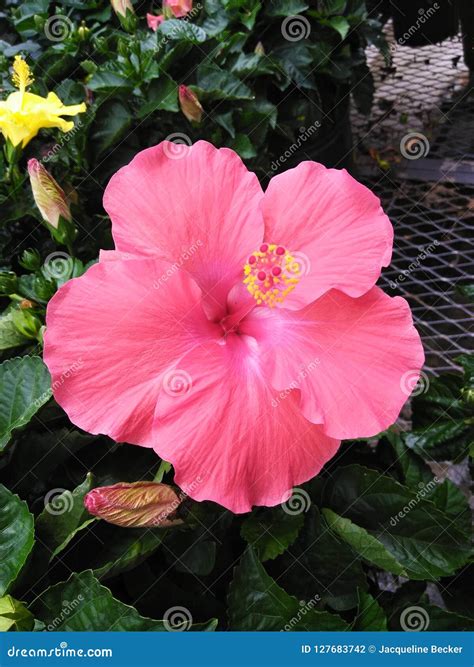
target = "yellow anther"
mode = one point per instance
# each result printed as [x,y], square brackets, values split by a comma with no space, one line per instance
[271,273]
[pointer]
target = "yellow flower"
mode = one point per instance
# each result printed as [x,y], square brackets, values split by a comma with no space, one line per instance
[23,114]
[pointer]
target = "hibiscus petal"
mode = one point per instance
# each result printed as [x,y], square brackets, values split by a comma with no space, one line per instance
[335,225]
[354,360]
[230,437]
[110,336]
[195,205]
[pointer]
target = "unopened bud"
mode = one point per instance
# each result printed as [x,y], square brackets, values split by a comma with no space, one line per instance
[136,504]
[190,105]
[48,195]
[121,7]
[176,8]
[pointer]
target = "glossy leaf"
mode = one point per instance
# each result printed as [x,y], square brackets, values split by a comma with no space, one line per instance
[24,388]
[16,537]
[256,602]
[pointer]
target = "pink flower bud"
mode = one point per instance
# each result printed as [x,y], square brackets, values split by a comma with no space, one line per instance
[154,21]
[121,7]
[179,8]
[190,105]
[48,195]
[136,504]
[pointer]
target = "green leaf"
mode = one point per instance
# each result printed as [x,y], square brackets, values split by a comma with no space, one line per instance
[370,615]
[14,616]
[16,536]
[25,386]
[63,517]
[256,602]
[104,81]
[243,146]
[286,7]
[453,503]
[423,539]
[336,570]
[110,126]
[123,549]
[162,96]
[414,470]
[442,441]
[199,558]
[340,24]
[184,31]
[442,419]
[9,334]
[216,83]
[271,531]
[442,620]
[367,546]
[82,604]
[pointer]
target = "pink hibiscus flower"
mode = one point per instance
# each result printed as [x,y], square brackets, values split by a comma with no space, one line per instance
[154,22]
[172,8]
[238,333]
